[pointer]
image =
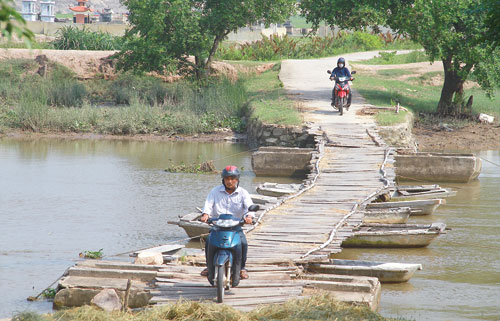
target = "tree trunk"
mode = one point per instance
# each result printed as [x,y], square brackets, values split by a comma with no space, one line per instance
[453,87]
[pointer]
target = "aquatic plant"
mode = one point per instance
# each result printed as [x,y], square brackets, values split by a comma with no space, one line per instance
[92,254]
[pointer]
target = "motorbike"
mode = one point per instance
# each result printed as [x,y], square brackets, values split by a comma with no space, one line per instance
[225,252]
[341,92]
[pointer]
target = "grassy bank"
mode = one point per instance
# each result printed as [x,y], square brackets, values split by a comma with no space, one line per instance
[128,104]
[268,100]
[319,307]
[418,91]
[133,104]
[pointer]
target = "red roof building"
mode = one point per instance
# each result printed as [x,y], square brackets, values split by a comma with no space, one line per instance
[82,12]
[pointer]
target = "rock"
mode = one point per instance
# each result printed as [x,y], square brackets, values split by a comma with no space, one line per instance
[271,140]
[445,126]
[278,131]
[484,118]
[303,137]
[266,133]
[149,258]
[286,138]
[107,300]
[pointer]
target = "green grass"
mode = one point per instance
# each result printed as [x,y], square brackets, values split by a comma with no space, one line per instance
[416,93]
[268,100]
[390,58]
[387,118]
[318,307]
[300,22]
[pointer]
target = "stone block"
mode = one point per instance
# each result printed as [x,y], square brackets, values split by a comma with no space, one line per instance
[266,133]
[278,131]
[149,258]
[271,140]
[107,300]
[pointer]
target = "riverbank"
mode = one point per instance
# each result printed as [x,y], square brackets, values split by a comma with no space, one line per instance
[316,307]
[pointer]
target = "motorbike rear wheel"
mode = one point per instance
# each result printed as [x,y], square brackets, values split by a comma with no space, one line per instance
[220,283]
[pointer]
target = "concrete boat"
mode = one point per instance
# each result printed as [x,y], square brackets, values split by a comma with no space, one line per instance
[387,216]
[437,167]
[394,235]
[278,190]
[418,192]
[281,161]
[417,207]
[385,272]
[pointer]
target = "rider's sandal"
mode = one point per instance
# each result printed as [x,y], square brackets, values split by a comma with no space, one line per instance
[244,274]
[204,272]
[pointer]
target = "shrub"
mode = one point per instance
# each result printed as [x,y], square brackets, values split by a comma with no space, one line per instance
[73,38]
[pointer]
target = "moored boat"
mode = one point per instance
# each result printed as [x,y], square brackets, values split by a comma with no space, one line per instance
[437,167]
[394,235]
[387,216]
[278,190]
[385,272]
[417,207]
[195,228]
[419,192]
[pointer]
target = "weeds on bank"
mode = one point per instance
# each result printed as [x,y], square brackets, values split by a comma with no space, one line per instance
[285,47]
[127,105]
[318,307]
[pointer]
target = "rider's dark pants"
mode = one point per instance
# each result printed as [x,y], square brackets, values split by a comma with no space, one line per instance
[244,250]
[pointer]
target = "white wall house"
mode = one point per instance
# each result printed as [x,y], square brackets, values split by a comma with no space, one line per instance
[47,10]
[29,10]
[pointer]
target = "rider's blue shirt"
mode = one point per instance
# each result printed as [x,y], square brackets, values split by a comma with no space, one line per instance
[341,72]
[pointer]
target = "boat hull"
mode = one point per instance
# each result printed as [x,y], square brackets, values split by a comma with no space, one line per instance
[418,207]
[385,272]
[387,216]
[394,235]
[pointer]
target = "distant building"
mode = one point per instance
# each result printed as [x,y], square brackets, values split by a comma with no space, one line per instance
[106,15]
[29,10]
[47,10]
[82,12]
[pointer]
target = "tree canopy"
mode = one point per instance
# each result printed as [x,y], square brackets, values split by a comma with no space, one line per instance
[11,22]
[449,30]
[165,33]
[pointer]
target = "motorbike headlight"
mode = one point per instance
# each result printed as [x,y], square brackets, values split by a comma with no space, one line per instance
[227,223]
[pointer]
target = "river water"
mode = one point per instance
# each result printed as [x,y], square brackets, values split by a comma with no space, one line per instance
[60,197]
[460,279]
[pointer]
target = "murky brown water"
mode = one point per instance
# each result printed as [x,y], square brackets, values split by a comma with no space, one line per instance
[62,197]
[460,279]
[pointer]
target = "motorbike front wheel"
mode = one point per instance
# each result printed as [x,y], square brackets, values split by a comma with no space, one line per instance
[220,283]
[341,105]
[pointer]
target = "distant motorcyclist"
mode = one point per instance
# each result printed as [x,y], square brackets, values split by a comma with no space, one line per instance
[341,71]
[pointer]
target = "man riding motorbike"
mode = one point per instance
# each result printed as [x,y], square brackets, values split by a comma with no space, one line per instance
[229,198]
[340,71]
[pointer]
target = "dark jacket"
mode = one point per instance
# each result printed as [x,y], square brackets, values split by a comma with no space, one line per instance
[341,72]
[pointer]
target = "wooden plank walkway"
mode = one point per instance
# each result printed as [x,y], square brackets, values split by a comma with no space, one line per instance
[305,228]
[309,227]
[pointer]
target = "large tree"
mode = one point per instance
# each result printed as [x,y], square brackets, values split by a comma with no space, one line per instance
[11,22]
[164,33]
[449,30]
